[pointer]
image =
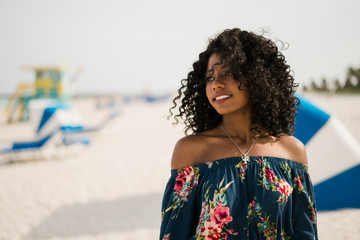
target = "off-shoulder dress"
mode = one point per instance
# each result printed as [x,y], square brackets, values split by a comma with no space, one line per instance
[267,198]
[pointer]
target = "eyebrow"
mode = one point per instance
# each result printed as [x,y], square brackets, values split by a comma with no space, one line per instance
[223,68]
[212,69]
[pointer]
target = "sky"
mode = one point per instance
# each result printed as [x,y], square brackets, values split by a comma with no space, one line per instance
[150,45]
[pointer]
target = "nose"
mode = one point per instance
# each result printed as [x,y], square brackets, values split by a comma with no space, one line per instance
[218,83]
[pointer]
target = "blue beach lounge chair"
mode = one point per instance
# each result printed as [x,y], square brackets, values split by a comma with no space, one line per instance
[26,148]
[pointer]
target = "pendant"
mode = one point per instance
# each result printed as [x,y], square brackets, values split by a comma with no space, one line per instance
[245,159]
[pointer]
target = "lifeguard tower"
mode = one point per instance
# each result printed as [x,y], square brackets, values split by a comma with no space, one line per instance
[51,82]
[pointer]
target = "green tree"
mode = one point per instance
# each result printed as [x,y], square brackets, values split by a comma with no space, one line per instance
[337,85]
[314,87]
[324,85]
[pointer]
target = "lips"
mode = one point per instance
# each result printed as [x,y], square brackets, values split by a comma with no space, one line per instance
[222,98]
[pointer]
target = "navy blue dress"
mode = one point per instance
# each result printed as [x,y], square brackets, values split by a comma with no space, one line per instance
[267,198]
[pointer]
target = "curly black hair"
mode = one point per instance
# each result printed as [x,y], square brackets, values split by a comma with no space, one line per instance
[254,61]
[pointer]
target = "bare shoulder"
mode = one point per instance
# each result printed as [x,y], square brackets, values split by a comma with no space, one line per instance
[294,148]
[187,150]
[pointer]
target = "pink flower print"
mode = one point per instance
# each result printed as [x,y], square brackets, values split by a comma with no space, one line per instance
[185,176]
[180,180]
[269,174]
[211,230]
[221,215]
[167,236]
[224,236]
[299,182]
[189,173]
[284,188]
[209,164]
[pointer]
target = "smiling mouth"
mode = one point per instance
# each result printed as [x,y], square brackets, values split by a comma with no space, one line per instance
[222,97]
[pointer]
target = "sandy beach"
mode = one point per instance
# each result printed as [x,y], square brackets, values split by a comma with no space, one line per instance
[112,189]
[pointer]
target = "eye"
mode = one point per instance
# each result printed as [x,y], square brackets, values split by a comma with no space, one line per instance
[227,74]
[209,78]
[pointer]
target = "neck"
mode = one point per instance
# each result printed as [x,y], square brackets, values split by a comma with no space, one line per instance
[239,126]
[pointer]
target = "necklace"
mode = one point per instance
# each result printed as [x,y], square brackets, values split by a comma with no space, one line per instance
[244,157]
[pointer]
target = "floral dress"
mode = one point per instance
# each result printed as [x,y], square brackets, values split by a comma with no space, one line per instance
[267,198]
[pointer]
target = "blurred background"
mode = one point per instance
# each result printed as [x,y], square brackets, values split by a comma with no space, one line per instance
[85,88]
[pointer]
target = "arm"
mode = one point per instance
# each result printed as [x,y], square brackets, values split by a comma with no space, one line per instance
[294,149]
[185,152]
[304,209]
[179,200]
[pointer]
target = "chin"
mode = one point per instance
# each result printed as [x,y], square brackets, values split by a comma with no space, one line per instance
[222,111]
[226,111]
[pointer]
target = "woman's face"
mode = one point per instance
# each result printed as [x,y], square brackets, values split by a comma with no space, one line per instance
[222,90]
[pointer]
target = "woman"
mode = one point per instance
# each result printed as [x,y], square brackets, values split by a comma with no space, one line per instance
[240,174]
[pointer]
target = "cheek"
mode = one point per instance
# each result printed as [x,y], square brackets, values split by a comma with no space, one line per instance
[247,95]
[208,93]
[246,99]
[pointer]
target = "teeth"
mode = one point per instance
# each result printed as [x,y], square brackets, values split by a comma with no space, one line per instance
[222,97]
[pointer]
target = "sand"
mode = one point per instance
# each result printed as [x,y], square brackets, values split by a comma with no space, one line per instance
[112,189]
